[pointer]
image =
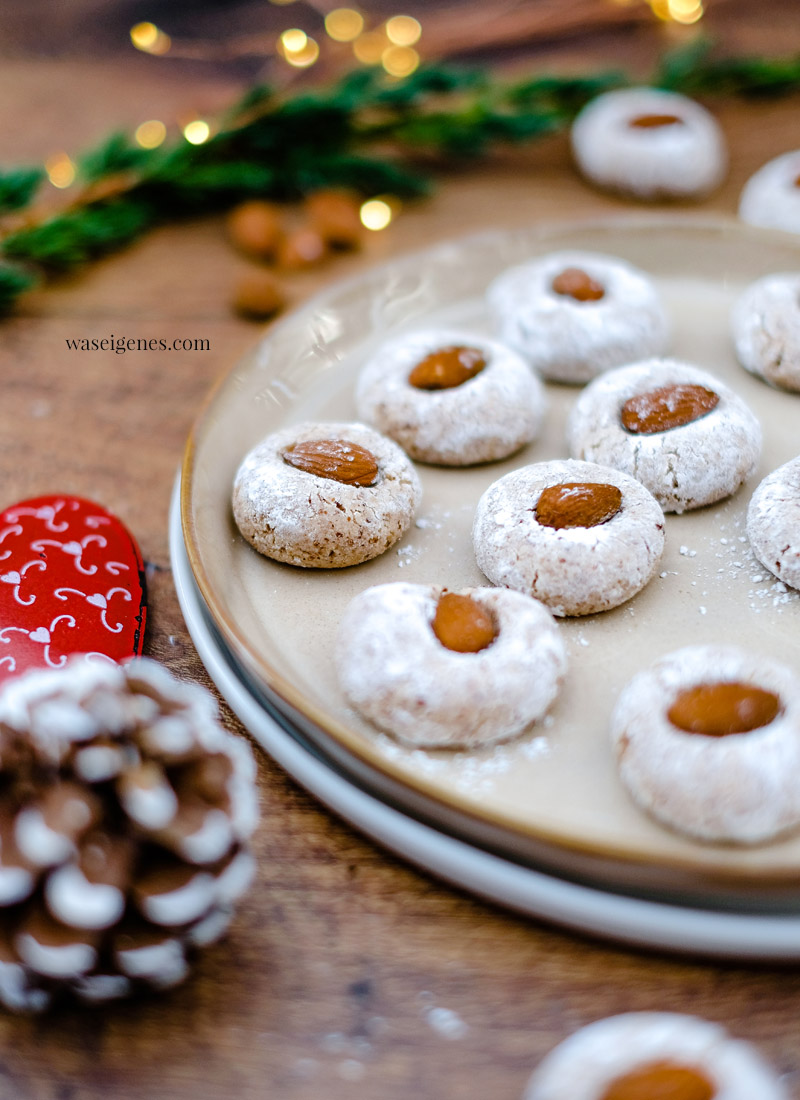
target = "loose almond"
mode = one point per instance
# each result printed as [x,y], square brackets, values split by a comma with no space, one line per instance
[461,624]
[335,459]
[653,122]
[667,407]
[447,368]
[255,228]
[335,216]
[661,1080]
[258,295]
[577,504]
[721,708]
[577,284]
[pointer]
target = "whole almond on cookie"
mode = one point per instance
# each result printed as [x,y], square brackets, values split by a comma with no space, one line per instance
[574,282]
[447,368]
[461,624]
[721,708]
[578,504]
[335,459]
[667,407]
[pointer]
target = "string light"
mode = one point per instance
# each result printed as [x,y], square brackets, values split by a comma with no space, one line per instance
[403,30]
[60,170]
[375,214]
[344,24]
[400,60]
[150,134]
[148,38]
[686,11]
[197,131]
[293,41]
[369,47]
[301,59]
[660,9]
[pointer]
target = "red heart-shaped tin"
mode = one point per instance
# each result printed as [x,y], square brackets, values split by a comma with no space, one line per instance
[71,581]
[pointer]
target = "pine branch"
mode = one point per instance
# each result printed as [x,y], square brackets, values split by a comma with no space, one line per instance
[366,132]
[18,186]
[692,71]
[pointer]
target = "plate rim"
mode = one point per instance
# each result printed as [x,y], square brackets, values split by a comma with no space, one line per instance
[287,695]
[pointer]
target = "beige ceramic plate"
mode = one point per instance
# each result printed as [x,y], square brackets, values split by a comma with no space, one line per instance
[553,796]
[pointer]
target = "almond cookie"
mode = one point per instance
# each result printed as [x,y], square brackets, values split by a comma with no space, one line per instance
[444,669]
[679,430]
[707,741]
[650,144]
[654,1056]
[573,315]
[577,536]
[773,522]
[771,197]
[325,495]
[451,398]
[765,322]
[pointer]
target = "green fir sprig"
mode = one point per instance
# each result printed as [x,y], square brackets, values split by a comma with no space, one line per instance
[368,132]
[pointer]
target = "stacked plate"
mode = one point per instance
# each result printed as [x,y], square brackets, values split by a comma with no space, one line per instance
[540,824]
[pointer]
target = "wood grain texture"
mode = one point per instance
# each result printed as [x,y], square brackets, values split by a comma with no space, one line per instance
[325,984]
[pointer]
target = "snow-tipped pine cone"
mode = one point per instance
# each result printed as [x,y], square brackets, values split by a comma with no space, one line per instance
[125,814]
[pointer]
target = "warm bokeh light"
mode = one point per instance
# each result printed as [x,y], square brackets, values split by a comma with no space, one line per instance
[400,60]
[151,134]
[197,132]
[293,41]
[148,38]
[344,24]
[369,47]
[403,30]
[301,59]
[144,35]
[661,9]
[685,11]
[375,214]
[281,3]
[60,170]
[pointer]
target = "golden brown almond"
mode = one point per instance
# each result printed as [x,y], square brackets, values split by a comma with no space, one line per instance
[661,1081]
[577,504]
[447,368]
[335,459]
[667,407]
[461,624]
[721,708]
[301,248]
[654,122]
[336,217]
[572,282]
[258,295]
[255,228]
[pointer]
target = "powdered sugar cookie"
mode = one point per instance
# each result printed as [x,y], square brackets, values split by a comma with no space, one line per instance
[450,398]
[577,536]
[708,742]
[765,322]
[649,143]
[573,315]
[771,197]
[325,495]
[773,522]
[441,669]
[649,1055]
[679,430]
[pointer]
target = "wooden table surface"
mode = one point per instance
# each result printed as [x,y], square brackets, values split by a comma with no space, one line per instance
[325,984]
